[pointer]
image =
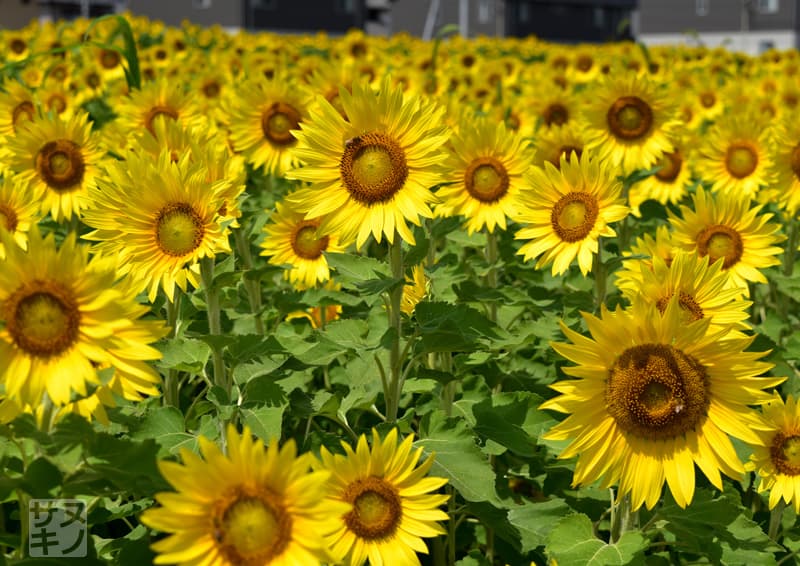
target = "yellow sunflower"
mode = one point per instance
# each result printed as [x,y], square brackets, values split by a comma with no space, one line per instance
[63,317]
[668,185]
[261,117]
[159,218]
[158,100]
[735,156]
[558,141]
[724,227]
[17,106]
[19,210]
[786,163]
[254,505]
[372,173]
[392,507]
[567,211]
[700,288]
[628,122]
[485,168]
[670,394]
[294,241]
[629,278]
[414,290]
[776,458]
[59,161]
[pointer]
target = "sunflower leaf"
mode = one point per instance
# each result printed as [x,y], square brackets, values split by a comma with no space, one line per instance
[573,543]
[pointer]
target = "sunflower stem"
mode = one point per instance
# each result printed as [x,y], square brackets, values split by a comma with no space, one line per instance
[491,275]
[790,252]
[622,519]
[599,270]
[451,527]
[251,286]
[214,324]
[396,323]
[775,518]
[171,385]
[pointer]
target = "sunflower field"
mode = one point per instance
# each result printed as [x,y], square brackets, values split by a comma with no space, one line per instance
[299,300]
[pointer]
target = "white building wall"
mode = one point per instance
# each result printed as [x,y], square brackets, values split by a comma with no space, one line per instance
[751,42]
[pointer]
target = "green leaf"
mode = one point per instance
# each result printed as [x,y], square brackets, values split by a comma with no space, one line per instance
[535,521]
[356,268]
[184,354]
[458,457]
[446,327]
[572,543]
[41,477]
[747,544]
[512,419]
[166,426]
[264,422]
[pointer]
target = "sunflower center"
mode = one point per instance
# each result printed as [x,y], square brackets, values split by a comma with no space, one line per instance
[555,114]
[155,112]
[584,63]
[707,99]
[741,160]
[785,453]
[179,229]
[306,243]
[42,318]
[8,218]
[17,46]
[657,392]
[691,310]
[60,164]
[795,160]
[376,509]
[373,168]
[670,167]
[57,103]
[630,118]
[486,179]
[109,59]
[22,111]
[574,216]
[278,121]
[254,530]
[719,241]
[211,89]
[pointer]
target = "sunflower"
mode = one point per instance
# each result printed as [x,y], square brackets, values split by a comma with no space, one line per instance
[671,394]
[700,288]
[255,505]
[414,290]
[628,122]
[629,279]
[64,316]
[485,166]
[567,211]
[58,160]
[261,117]
[19,210]
[553,107]
[17,106]
[159,218]
[392,507]
[776,458]
[294,241]
[668,184]
[374,172]
[158,100]
[558,141]
[786,163]
[724,227]
[735,156]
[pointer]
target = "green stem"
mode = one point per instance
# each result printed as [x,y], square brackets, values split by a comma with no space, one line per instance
[449,390]
[491,275]
[395,322]
[251,286]
[172,385]
[214,324]
[790,251]
[599,270]
[775,518]
[451,526]
[622,518]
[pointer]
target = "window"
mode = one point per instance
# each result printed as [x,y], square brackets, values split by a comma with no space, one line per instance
[599,17]
[201,4]
[768,6]
[524,13]
[701,7]
[484,11]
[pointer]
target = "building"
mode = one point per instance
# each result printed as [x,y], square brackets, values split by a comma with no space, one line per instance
[571,21]
[750,26]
